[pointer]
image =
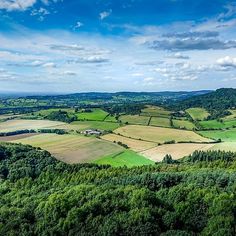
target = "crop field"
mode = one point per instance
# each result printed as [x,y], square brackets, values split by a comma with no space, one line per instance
[160,121]
[214,124]
[198,113]
[225,146]
[125,158]
[16,137]
[224,135]
[96,115]
[135,145]
[177,151]
[158,134]
[155,111]
[14,125]
[83,125]
[183,124]
[72,148]
[134,119]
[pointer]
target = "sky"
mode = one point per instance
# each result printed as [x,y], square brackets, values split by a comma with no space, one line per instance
[67,46]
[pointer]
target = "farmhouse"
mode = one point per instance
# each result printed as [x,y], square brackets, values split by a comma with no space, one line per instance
[91,132]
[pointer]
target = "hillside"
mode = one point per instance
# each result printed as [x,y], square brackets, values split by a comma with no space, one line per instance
[43,196]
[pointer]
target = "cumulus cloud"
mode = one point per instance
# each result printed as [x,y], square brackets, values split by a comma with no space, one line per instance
[227,61]
[105,14]
[92,59]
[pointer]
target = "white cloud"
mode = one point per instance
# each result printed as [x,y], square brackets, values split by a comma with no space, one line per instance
[105,14]
[78,25]
[49,65]
[18,5]
[227,61]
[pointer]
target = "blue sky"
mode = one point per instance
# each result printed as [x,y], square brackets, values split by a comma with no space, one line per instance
[67,46]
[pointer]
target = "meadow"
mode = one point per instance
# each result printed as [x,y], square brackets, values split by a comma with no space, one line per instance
[96,115]
[198,113]
[155,111]
[160,121]
[224,135]
[214,124]
[159,134]
[183,124]
[134,119]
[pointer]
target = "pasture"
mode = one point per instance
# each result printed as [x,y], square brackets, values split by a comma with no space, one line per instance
[14,125]
[225,146]
[214,124]
[177,151]
[224,135]
[155,111]
[134,119]
[160,121]
[180,124]
[96,115]
[159,134]
[135,145]
[125,158]
[72,148]
[230,117]
[198,113]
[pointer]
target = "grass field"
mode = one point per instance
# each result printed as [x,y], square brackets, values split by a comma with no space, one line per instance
[177,151]
[135,145]
[72,148]
[96,115]
[198,113]
[160,121]
[46,112]
[214,124]
[230,117]
[83,125]
[125,158]
[155,111]
[224,135]
[134,119]
[111,118]
[225,146]
[13,125]
[158,134]
[183,124]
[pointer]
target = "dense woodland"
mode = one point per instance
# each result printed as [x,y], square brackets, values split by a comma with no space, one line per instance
[42,196]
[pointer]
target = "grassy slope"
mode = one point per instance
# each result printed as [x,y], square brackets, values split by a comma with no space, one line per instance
[198,113]
[183,124]
[160,121]
[224,135]
[126,158]
[214,124]
[96,114]
[155,111]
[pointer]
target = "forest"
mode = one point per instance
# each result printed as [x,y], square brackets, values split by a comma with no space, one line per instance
[40,195]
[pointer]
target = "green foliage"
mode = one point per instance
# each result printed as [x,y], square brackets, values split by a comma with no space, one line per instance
[42,196]
[62,116]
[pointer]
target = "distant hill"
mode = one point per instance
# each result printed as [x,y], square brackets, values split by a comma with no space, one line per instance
[216,102]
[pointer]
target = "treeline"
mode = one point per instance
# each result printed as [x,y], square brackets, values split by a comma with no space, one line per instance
[62,116]
[126,108]
[42,196]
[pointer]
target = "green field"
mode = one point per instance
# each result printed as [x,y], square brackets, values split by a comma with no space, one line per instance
[198,113]
[155,111]
[225,146]
[183,124]
[125,158]
[46,112]
[224,135]
[214,124]
[111,118]
[134,119]
[96,115]
[101,125]
[160,121]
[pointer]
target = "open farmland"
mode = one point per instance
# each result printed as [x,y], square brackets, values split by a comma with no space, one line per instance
[158,134]
[155,111]
[198,113]
[135,145]
[214,124]
[160,121]
[14,125]
[96,114]
[225,146]
[125,158]
[134,119]
[224,135]
[177,151]
[183,124]
[72,148]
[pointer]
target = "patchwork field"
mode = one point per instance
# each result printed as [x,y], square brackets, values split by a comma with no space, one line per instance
[158,134]
[224,135]
[155,111]
[198,113]
[134,119]
[72,148]
[14,125]
[160,121]
[135,145]
[183,124]
[96,114]
[125,158]
[177,151]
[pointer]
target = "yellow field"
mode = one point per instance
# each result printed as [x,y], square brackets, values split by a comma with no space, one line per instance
[134,119]
[183,124]
[177,151]
[155,111]
[13,125]
[160,121]
[135,145]
[72,148]
[158,134]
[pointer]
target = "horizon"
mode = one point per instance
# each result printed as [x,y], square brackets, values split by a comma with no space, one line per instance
[59,47]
